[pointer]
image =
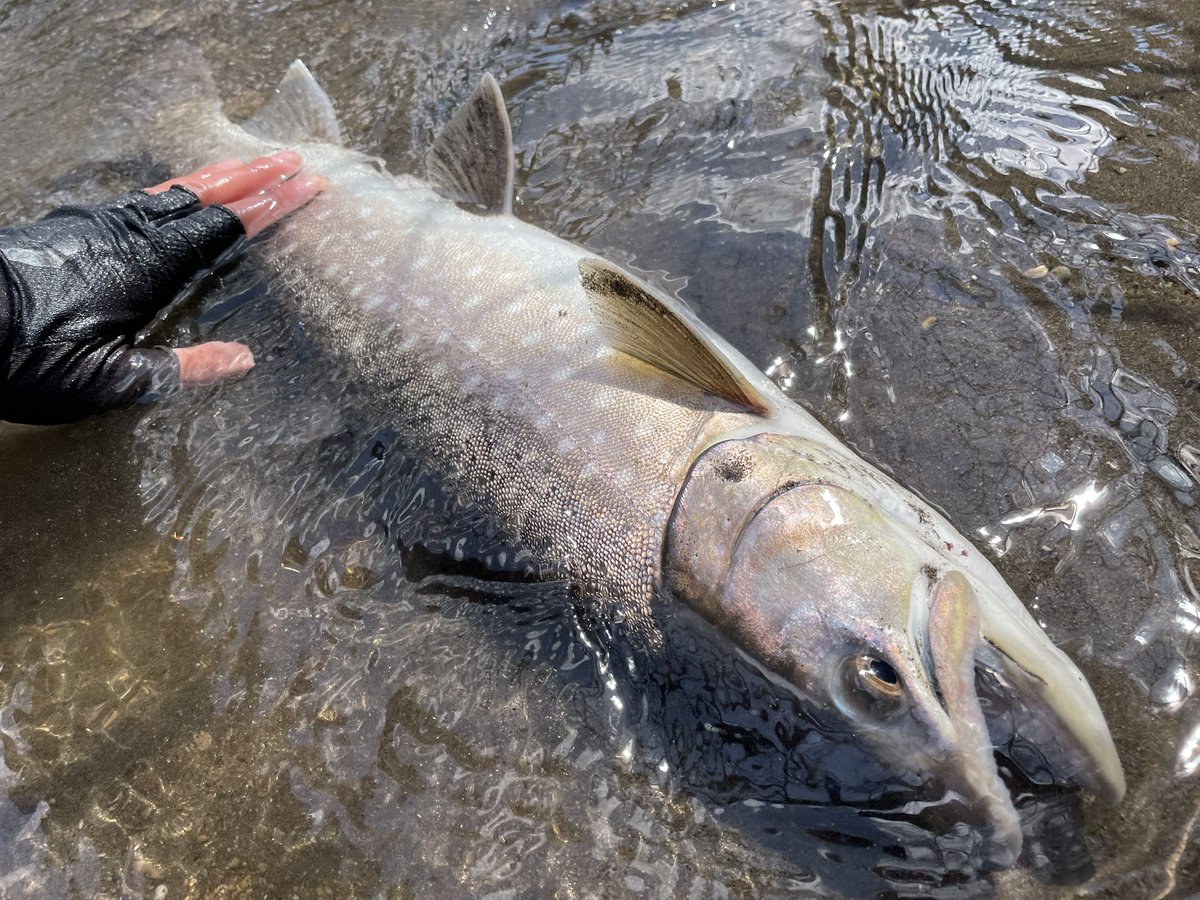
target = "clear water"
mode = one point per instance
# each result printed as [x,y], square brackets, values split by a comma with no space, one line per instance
[248,647]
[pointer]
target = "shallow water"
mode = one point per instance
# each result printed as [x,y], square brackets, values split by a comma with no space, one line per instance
[249,646]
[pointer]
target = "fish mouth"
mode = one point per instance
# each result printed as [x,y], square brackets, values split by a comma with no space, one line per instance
[1039,706]
[1000,688]
[952,637]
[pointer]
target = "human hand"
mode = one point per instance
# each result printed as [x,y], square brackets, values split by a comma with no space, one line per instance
[84,280]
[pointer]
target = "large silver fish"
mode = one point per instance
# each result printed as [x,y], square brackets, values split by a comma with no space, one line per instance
[600,421]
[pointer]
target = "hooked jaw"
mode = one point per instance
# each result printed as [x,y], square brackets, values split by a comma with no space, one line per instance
[1047,701]
[968,765]
[859,615]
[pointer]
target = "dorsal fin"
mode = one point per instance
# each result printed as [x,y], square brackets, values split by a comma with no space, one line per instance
[298,112]
[472,159]
[640,321]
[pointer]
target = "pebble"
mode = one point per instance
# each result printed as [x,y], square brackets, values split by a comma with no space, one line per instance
[1036,272]
[148,18]
[1172,243]
[929,322]
[1172,474]
[149,868]
[1062,273]
[1189,458]
[1121,170]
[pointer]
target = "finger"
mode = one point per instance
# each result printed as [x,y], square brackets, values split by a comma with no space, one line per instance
[213,361]
[188,244]
[194,181]
[259,175]
[264,210]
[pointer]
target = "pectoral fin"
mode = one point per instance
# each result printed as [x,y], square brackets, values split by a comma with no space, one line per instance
[640,321]
[472,159]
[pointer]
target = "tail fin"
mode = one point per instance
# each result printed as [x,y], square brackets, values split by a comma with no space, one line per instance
[170,107]
[167,106]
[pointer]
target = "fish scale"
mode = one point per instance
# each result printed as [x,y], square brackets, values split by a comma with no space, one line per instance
[538,408]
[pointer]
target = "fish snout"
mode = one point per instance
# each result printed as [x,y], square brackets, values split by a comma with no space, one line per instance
[968,765]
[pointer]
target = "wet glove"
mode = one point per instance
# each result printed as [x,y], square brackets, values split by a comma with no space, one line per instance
[77,286]
[81,283]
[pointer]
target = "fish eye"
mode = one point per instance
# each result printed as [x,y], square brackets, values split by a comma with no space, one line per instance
[869,687]
[878,677]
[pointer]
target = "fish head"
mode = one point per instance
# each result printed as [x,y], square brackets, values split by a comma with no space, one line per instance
[833,582]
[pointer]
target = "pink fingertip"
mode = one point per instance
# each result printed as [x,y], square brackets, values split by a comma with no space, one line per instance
[314,183]
[213,361]
[265,209]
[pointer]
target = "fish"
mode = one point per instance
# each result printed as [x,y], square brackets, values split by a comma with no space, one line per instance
[595,418]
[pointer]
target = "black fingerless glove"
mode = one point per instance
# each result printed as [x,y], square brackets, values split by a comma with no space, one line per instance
[78,285]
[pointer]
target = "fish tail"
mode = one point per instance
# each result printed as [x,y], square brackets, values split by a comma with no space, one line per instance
[170,101]
[167,105]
